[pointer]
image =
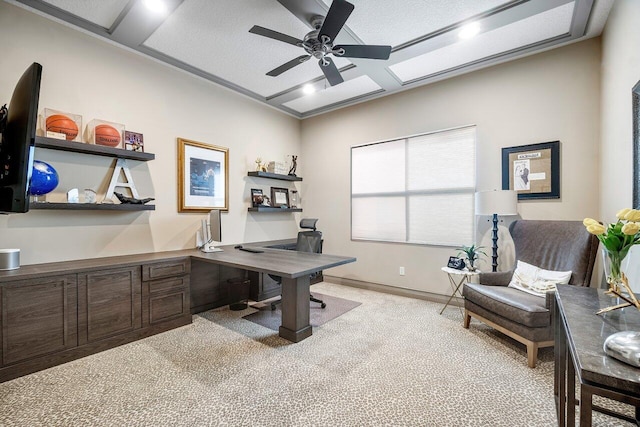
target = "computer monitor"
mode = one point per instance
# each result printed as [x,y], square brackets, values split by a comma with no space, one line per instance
[211,231]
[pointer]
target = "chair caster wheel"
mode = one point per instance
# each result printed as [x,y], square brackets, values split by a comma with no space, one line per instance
[323,305]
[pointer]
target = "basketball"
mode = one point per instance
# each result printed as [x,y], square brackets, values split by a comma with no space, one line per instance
[62,124]
[107,135]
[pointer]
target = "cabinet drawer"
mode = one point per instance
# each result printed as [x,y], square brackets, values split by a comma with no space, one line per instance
[160,270]
[175,283]
[167,306]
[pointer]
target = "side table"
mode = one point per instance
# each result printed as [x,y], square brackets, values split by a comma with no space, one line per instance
[456,279]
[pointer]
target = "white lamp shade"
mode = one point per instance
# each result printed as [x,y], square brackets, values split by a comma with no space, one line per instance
[501,202]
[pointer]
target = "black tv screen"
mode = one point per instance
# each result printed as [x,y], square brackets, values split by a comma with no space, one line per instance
[18,142]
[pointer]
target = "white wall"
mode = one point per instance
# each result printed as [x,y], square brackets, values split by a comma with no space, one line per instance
[546,97]
[91,77]
[620,72]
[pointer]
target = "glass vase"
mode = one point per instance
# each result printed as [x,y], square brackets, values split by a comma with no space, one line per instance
[615,263]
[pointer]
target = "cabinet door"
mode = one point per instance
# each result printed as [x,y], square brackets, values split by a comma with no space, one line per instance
[39,317]
[109,303]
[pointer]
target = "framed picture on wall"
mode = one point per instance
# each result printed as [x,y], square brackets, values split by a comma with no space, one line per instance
[203,177]
[279,197]
[533,171]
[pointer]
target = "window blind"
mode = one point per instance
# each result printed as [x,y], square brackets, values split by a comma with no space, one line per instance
[418,189]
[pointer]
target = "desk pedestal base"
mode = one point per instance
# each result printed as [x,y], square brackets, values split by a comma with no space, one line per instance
[295,309]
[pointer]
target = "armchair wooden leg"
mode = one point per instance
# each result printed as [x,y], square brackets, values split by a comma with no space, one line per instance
[467,319]
[532,354]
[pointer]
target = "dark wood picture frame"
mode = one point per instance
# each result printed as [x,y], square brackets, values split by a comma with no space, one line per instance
[533,171]
[635,99]
[279,197]
[257,198]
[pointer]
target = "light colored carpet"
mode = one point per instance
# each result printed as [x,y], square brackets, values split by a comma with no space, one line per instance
[389,361]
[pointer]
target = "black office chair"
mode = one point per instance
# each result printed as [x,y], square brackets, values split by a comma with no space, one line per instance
[308,241]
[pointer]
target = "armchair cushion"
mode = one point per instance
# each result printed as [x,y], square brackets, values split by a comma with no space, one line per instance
[498,278]
[517,306]
[537,281]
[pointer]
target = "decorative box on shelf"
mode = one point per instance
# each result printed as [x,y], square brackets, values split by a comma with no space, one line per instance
[61,125]
[277,167]
[105,133]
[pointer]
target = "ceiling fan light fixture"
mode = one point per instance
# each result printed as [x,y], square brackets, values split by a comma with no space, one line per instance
[156,6]
[469,31]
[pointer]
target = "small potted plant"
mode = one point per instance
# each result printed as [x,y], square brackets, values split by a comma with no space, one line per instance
[472,254]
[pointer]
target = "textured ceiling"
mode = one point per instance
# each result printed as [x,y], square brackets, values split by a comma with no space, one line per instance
[211,39]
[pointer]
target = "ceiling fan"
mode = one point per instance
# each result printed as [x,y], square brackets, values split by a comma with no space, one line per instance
[319,43]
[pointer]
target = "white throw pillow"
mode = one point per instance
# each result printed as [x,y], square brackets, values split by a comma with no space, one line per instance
[535,280]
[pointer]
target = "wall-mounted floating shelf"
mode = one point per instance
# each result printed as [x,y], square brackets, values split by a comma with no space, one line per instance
[270,209]
[92,206]
[270,175]
[98,150]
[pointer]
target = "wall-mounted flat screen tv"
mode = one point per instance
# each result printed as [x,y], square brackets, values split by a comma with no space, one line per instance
[18,142]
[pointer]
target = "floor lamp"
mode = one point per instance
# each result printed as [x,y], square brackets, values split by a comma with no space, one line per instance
[496,202]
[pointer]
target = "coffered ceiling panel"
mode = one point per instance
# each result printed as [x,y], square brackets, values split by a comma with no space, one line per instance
[371,18]
[333,94]
[543,26]
[214,37]
[103,13]
[211,39]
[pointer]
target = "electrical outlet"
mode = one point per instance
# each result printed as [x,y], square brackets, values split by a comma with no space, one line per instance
[402,271]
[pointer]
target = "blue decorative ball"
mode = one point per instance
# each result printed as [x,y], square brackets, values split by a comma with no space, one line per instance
[44,178]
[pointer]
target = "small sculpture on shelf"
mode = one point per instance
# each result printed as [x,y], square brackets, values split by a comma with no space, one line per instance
[294,165]
[132,200]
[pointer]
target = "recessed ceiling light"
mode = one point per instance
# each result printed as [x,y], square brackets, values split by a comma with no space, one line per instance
[308,89]
[470,30]
[157,6]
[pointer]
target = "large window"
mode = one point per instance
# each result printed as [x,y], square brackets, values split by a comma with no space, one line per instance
[415,190]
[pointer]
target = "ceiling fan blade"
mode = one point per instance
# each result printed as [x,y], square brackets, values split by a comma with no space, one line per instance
[288,65]
[331,72]
[363,51]
[335,19]
[265,32]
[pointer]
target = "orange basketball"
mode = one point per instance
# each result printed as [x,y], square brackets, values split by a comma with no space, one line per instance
[62,124]
[107,135]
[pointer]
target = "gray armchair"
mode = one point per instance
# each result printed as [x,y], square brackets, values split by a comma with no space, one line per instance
[551,245]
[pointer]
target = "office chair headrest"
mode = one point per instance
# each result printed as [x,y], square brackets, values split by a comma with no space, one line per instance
[309,223]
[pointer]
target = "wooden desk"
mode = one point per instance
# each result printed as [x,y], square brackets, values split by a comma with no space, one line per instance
[579,337]
[56,312]
[294,268]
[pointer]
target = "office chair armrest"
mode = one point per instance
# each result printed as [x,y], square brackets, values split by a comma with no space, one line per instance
[499,278]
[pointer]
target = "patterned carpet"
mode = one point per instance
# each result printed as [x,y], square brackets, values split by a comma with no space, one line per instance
[390,361]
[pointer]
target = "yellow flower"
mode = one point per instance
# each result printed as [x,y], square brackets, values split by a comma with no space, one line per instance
[631,228]
[632,215]
[596,229]
[621,214]
[589,221]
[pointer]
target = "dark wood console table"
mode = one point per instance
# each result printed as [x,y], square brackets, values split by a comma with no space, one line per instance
[579,337]
[56,312]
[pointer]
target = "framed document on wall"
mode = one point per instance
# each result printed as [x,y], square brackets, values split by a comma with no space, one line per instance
[533,171]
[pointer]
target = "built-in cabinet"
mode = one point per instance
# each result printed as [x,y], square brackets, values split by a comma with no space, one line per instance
[54,318]
[39,317]
[110,303]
